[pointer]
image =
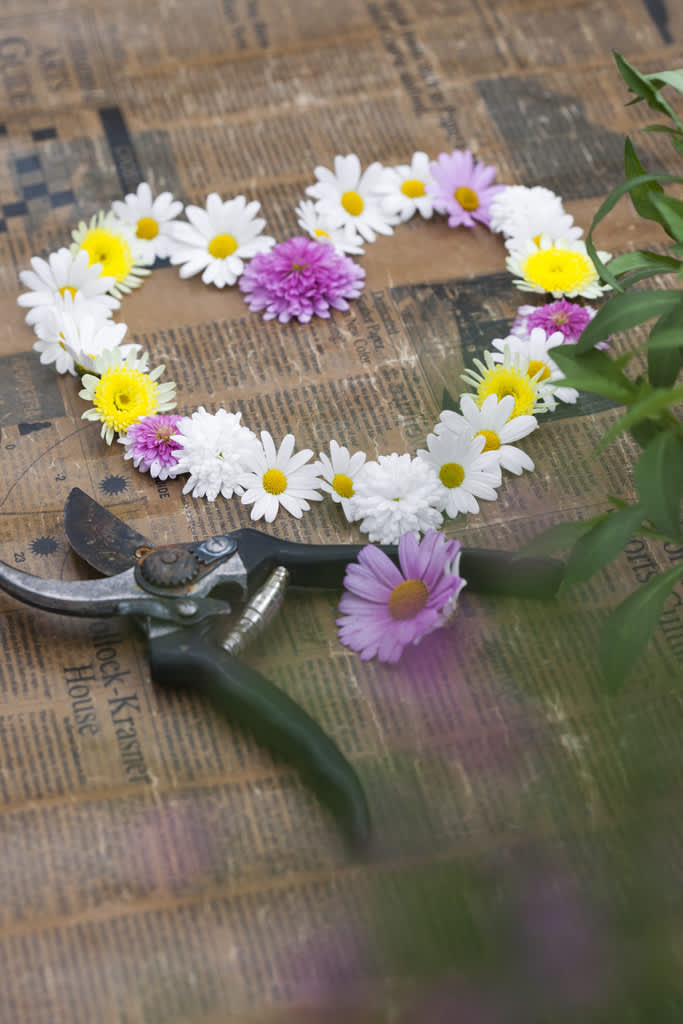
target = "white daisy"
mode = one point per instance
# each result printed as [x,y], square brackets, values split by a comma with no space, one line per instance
[395,495]
[493,420]
[113,244]
[349,195]
[344,238]
[50,281]
[536,350]
[86,339]
[560,266]
[338,471]
[71,337]
[151,217]
[215,449]
[463,471]
[521,213]
[218,239]
[404,190]
[280,477]
[510,377]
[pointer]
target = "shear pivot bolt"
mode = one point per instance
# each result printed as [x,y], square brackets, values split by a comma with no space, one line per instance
[187,608]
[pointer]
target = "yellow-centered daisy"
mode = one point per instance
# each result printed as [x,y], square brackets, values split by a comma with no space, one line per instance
[114,245]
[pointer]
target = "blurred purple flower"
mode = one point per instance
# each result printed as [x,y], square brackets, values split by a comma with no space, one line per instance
[301,278]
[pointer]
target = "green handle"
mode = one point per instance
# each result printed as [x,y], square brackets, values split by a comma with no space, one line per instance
[189,659]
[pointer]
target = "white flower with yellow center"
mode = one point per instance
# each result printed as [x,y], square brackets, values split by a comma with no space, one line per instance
[463,470]
[278,477]
[536,349]
[522,213]
[72,338]
[349,195]
[405,190]
[343,238]
[215,450]
[65,276]
[338,472]
[510,376]
[113,244]
[218,239]
[559,266]
[493,421]
[151,218]
[396,494]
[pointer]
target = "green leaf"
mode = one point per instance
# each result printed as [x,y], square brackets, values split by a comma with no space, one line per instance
[668,331]
[658,475]
[650,405]
[672,78]
[632,623]
[596,372]
[645,87]
[643,258]
[624,311]
[601,544]
[640,194]
[664,366]
[559,537]
[611,201]
[670,215]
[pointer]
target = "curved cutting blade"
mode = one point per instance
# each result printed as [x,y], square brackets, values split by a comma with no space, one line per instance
[99,537]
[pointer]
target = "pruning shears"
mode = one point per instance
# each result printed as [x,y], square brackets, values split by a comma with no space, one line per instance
[201,603]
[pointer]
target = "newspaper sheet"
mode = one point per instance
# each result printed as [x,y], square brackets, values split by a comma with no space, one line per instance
[157,864]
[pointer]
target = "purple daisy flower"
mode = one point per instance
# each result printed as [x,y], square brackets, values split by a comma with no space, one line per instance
[385,608]
[149,443]
[462,188]
[300,278]
[570,318]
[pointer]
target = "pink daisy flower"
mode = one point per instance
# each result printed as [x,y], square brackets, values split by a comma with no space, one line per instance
[149,443]
[301,278]
[570,318]
[462,188]
[385,608]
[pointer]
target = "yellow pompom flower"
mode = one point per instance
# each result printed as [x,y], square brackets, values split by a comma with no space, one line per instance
[113,245]
[531,389]
[124,394]
[560,267]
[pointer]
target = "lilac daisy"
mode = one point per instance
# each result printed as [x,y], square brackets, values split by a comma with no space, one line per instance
[151,445]
[301,278]
[385,608]
[462,188]
[570,318]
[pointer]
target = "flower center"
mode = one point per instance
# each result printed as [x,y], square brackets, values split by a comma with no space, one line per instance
[407,599]
[536,366]
[124,395]
[413,188]
[559,270]
[67,289]
[147,228]
[560,318]
[111,250]
[319,233]
[451,474]
[506,380]
[343,485]
[221,246]
[468,199]
[491,438]
[274,481]
[353,203]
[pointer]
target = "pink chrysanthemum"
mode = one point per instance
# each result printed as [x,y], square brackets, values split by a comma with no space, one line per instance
[570,318]
[462,188]
[149,443]
[385,608]
[301,278]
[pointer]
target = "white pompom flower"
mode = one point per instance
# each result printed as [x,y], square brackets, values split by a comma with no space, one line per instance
[215,450]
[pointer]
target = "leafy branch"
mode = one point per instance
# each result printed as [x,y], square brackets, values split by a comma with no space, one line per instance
[651,398]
